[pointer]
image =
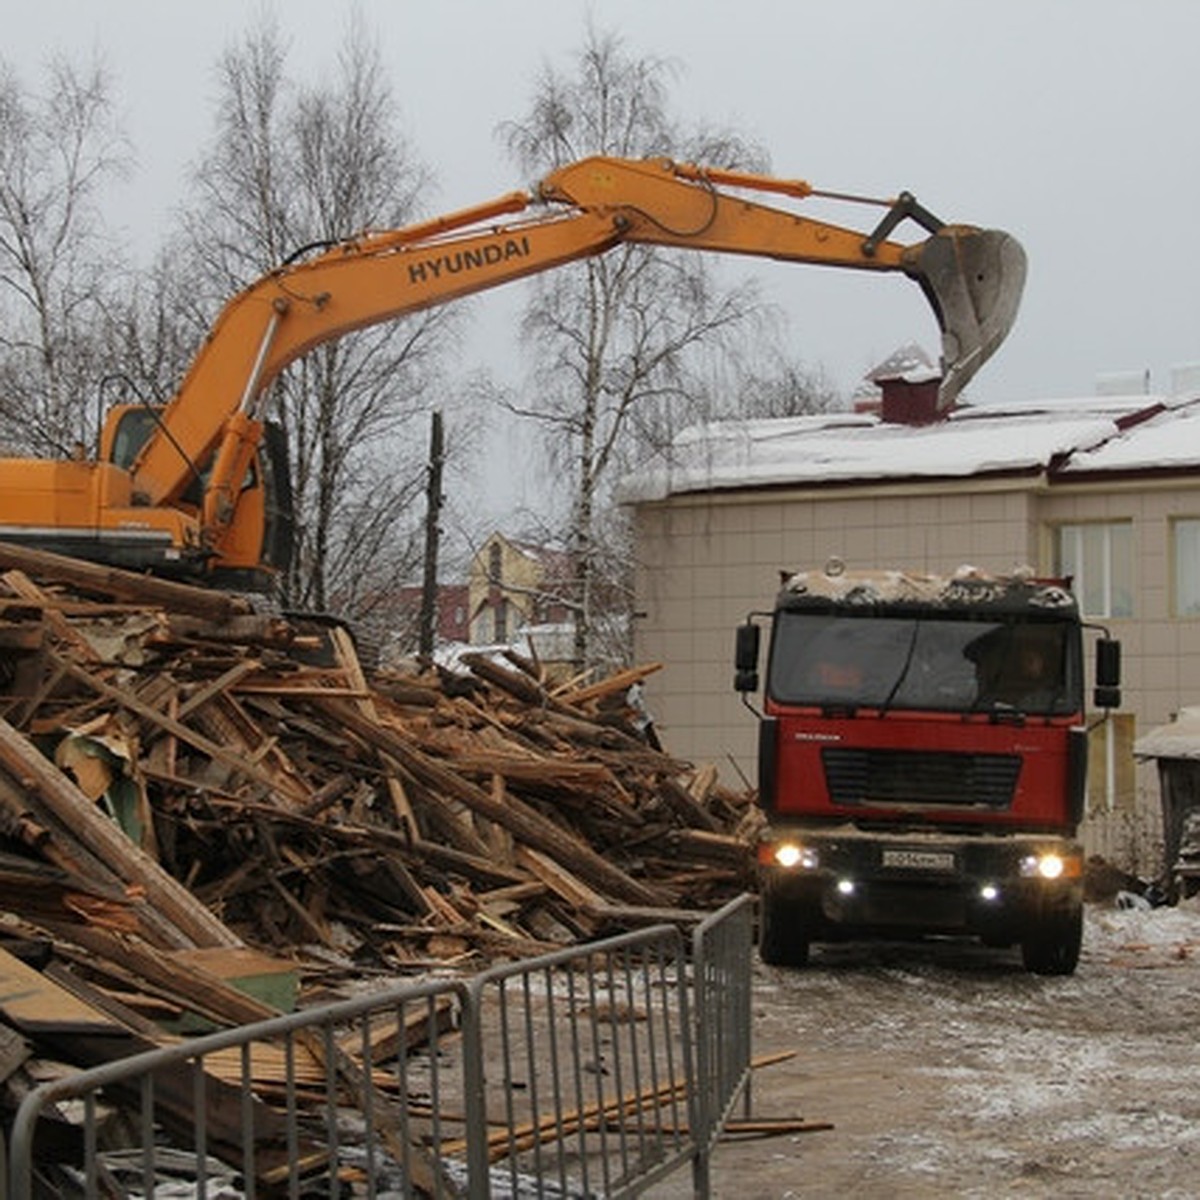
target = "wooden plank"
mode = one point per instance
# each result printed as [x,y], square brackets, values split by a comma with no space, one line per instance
[15,1051]
[273,980]
[702,783]
[183,732]
[706,846]
[622,681]
[35,1004]
[343,645]
[239,670]
[685,807]
[515,683]
[189,984]
[559,880]
[81,1033]
[19,583]
[247,748]
[388,1038]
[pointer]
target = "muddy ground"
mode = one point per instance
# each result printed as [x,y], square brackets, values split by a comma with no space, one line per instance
[948,1071]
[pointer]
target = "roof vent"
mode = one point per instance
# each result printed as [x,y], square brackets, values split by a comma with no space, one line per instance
[1123,383]
[1185,379]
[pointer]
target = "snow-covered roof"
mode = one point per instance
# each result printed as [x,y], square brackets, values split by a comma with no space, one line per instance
[1096,433]
[1179,739]
[1167,440]
[908,362]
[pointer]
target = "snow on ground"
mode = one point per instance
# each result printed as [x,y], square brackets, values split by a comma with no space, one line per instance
[947,1070]
[1150,932]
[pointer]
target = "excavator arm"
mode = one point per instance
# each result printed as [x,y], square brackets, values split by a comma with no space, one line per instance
[972,277]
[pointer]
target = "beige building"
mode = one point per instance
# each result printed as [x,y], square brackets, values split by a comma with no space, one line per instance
[1105,490]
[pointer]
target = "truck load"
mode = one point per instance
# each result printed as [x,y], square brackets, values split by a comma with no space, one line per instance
[922,760]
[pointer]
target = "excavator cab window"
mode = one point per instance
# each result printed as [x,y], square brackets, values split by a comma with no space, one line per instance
[134,426]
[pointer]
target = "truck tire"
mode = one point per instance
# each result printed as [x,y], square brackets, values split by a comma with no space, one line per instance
[782,941]
[1051,947]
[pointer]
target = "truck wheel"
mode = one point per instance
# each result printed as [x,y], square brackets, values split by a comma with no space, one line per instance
[781,932]
[1052,946]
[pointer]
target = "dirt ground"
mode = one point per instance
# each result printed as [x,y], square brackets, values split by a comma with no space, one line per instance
[946,1070]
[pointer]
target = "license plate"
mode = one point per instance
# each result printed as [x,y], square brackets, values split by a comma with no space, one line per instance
[919,860]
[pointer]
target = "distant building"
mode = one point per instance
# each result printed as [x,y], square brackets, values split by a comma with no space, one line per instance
[514,586]
[452,623]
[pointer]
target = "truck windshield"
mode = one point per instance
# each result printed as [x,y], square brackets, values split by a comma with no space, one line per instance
[927,663]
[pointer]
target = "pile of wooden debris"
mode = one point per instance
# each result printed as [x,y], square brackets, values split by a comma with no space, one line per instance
[186,786]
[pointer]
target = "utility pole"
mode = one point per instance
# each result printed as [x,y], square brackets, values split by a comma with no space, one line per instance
[433,512]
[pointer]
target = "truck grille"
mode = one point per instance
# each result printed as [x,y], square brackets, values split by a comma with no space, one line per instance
[920,777]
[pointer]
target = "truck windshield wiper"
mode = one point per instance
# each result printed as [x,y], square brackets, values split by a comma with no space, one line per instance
[908,660]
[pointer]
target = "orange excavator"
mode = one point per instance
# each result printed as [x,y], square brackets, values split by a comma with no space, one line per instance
[199,488]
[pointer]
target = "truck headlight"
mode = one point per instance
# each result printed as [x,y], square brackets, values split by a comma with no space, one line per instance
[1051,865]
[788,855]
[791,855]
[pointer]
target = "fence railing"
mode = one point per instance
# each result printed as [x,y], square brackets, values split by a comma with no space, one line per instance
[594,1071]
[722,949]
[588,1068]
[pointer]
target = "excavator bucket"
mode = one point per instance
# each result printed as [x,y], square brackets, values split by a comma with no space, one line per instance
[974,279]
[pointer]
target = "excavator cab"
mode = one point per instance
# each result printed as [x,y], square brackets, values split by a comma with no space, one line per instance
[261,539]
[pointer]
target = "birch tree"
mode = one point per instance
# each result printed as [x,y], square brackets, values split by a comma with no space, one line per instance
[616,341]
[58,266]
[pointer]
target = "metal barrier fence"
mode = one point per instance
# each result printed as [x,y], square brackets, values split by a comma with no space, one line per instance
[722,947]
[589,1083]
[292,1106]
[595,1071]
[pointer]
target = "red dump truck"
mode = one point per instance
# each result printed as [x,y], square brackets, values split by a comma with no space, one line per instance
[922,760]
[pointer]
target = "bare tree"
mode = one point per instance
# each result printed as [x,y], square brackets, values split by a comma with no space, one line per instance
[294,168]
[58,270]
[761,380]
[792,389]
[616,338]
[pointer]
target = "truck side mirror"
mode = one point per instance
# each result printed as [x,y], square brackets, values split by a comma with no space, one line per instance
[1108,674]
[746,658]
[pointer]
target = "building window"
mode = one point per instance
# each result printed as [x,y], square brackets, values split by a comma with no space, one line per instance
[494,564]
[1186,536]
[1099,559]
[500,613]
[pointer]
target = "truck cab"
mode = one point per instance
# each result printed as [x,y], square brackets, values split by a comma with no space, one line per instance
[922,761]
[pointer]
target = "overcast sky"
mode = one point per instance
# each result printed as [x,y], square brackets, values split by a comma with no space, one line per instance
[1070,124]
